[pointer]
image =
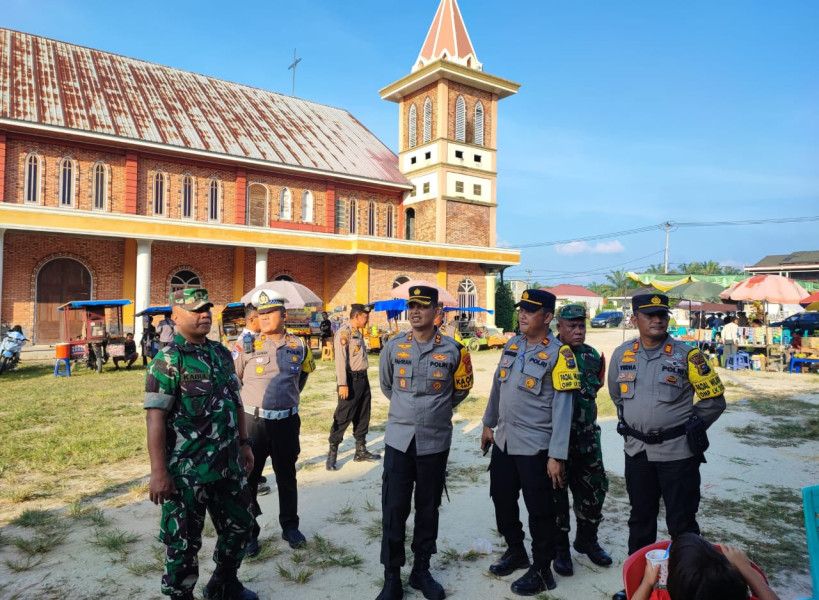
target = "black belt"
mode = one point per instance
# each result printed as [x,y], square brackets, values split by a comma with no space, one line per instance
[358,374]
[656,437]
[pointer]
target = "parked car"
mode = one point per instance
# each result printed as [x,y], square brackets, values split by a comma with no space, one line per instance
[608,318]
[805,323]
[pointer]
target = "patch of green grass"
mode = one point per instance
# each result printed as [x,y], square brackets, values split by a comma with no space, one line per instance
[140,568]
[268,549]
[371,506]
[345,515]
[472,408]
[451,556]
[20,494]
[324,554]
[18,566]
[41,543]
[300,576]
[470,473]
[372,530]
[114,540]
[35,518]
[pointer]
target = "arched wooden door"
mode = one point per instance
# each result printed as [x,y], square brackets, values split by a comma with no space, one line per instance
[59,281]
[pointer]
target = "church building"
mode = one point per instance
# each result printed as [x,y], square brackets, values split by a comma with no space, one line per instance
[121,178]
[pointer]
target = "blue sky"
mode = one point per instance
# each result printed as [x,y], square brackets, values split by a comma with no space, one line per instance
[630,113]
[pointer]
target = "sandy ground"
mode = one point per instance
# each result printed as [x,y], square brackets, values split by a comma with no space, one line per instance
[342,507]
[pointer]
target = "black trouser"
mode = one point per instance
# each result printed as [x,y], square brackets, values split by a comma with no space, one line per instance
[509,474]
[280,441]
[355,408]
[677,482]
[401,471]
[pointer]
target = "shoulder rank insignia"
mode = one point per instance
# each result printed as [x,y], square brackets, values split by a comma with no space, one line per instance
[668,349]
[513,347]
[635,346]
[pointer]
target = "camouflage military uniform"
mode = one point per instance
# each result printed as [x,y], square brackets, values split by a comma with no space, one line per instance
[198,387]
[584,468]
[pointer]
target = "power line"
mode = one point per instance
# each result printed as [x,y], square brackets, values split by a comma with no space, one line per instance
[666,225]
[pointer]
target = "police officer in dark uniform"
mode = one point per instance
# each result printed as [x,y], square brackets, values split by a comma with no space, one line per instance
[652,381]
[273,375]
[529,418]
[424,374]
[585,474]
[354,397]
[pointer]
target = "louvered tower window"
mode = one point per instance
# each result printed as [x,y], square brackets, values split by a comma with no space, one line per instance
[413,126]
[427,120]
[479,124]
[460,119]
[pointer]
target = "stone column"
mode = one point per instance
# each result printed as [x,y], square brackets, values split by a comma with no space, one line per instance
[142,298]
[261,266]
[491,280]
[2,251]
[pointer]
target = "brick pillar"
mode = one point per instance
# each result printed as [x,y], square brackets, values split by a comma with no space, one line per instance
[330,209]
[240,215]
[2,167]
[131,178]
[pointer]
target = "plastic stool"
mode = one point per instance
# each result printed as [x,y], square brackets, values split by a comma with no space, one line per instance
[58,372]
[740,360]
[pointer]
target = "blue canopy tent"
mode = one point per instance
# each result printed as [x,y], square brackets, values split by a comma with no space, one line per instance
[393,307]
[474,309]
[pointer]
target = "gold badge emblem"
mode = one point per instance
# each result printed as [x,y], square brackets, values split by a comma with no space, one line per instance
[264,298]
[530,383]
[438,374]
[623,388]
[295,359]
[503,372]
[655,300]
[417,292]
[543,355]
[402,371]
[437,385]
[402,382]
[259,370]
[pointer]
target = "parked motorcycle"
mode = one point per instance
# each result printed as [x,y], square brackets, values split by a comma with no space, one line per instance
[10,349]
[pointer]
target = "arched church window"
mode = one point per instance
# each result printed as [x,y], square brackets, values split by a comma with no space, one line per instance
[353,216]
[32,179]
[185,279]
[427,120]
[285,205]
[67,168]
[187,197]
[413,126]
[214,197]
[307,207]
[160,183]
[467,294]
[410,223]
[372,225]
[460,119]
[478,124]
[100,186]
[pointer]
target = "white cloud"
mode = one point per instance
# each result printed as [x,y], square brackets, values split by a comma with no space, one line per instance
[613,247]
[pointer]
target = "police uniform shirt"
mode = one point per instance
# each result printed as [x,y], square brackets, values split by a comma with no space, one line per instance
[424,383]
[656,390]
[270,373]
[351,352]
[531,399]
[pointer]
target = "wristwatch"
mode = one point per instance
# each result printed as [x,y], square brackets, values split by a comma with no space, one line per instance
[248,441]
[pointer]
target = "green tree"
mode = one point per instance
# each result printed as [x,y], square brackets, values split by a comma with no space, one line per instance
[601,289]
[504,307]
[619,281]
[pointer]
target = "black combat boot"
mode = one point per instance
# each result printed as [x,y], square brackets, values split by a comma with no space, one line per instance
[586,543]
[563,556]
[332,457]
[392,590]
[362,454]
[252,549]
[224,585]
[421,579]
[535,581]
[513,559]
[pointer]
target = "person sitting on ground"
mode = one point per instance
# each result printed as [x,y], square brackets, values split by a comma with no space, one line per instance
[130,353]
[698,571]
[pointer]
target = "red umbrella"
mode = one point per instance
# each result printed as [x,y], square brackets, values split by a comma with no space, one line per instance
[403,291]
[768,288]
[811,302]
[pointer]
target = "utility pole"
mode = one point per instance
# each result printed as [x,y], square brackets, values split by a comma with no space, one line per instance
[296,61]
[528,277]
[667,233]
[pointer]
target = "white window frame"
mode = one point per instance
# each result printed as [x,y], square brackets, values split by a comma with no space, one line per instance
[427,120]
[372,218]
[96,185]
[341,215]
[460,119]
[467,294]
[192,217]
[390,229]
[266,204]
[413,126]
[307,207]
[67,163]
[163,177]
[285,205]
[215,185]
[352,215]
[479,124]
[38,176]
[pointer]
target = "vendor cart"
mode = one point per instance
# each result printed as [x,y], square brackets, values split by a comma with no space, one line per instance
[150,338]
[99,336]
[231,323]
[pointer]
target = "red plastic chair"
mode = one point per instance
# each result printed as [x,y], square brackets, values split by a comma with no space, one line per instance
[635,567]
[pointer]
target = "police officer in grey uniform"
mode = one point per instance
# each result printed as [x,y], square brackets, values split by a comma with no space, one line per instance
[652,381]
[425,375]
[528,418]
[354,397]
[273,375]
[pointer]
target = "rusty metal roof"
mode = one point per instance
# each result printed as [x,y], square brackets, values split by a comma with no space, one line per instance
[53,83]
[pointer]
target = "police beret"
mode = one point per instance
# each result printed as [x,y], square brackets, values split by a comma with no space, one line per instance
[534,299]
[360,308]
[423,295]
[649,303]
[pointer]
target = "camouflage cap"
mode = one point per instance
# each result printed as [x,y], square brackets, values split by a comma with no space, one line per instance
[572,311]
[191,299]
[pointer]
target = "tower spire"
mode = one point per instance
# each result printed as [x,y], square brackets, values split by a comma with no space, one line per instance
[448,39]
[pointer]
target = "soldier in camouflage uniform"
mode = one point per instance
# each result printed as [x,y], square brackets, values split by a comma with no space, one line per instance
[200,453]
[586,476]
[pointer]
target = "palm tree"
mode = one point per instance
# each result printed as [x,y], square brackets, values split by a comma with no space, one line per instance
[601,289]
[710,268]
[619,281]
[658,268]
[732,271]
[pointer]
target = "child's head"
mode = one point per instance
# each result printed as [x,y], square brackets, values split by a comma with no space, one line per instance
[698,571]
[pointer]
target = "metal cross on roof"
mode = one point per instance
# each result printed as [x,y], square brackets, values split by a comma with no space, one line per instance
[296,61]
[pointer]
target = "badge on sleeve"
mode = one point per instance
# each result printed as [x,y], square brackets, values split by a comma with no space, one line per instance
[565,375]
[706,382]
[463,374]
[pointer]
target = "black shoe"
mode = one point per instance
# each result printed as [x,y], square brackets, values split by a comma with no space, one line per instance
[294,537]
[421,579]
[263,489]
[534,582]
[183,596]
[228,591]
[332,458]
[362,454]
[392,590]
[621,595]
[262,479]
[563,562]
[252,548]
[512,560]
[593,550]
